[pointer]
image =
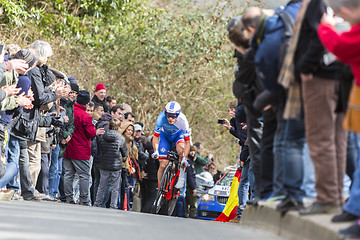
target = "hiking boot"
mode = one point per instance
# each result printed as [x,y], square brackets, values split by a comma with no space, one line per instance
[318,208]
[351,232]
[6,195]
[344,217]
[70,202]
[253,202]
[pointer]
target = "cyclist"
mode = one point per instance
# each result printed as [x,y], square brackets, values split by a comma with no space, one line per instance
[171,127]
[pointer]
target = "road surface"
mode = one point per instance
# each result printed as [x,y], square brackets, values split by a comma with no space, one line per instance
[49,220]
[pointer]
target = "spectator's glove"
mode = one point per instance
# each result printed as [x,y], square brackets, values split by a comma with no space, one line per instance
[155,155]
[57,121]
[184,162]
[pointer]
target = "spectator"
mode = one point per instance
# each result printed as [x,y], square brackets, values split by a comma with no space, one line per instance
[199,161]
[126,107]
[99,97]
[117,112]
[111,101]
[76,158]
[90,108]
[323,125]
[246,88]
[191,192]
[149,184]
[40,79]
[143,156]
[98,111]
[129,117]
[345,48]
[55,170]
[113,149]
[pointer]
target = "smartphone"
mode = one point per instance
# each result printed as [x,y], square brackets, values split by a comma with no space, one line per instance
[220,121]
[1,48]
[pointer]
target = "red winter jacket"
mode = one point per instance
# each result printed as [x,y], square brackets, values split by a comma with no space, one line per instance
[344,46]
[79,147]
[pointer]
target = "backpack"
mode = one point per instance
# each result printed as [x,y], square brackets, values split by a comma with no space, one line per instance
[272,45]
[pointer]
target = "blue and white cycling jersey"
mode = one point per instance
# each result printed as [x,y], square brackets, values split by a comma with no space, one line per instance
[171,133]
[162,125]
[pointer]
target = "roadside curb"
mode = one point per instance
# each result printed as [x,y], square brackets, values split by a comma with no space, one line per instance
[292,225]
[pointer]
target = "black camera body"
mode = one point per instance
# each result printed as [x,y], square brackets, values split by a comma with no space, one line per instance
[221,121]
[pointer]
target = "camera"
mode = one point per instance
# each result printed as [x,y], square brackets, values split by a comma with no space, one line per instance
[221,121]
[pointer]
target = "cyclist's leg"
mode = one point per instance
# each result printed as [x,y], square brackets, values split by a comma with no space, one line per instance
[179,141]
[164,147]
[180,146]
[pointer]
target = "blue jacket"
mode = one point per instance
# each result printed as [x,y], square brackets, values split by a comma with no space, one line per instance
[267,53]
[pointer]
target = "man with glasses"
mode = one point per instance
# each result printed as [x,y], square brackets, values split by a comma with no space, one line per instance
[172,127]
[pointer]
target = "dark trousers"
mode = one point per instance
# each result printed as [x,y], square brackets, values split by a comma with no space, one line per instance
[148,194]
[190,204]
[42,184]
[254,133]
[267,157]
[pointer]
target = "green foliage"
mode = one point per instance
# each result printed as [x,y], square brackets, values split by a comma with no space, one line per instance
[145,55]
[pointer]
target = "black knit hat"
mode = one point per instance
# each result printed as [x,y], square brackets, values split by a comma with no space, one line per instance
[74,87]
[83,97]
[26,55]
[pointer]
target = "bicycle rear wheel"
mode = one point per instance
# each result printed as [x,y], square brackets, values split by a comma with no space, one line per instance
[160,195]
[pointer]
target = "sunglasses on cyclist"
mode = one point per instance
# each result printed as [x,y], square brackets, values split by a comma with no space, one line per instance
[173,116]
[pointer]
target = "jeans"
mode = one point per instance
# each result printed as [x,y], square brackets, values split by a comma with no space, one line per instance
[352,205]
[11,171]
[13,155]
[55,171]
[351,155]
[308,184]
[292,158]
[246,181]
[180,210]
[279,142]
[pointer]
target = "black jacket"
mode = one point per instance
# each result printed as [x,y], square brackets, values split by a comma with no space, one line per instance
[247,84]
[40,78]
[190,178]
[143,156]
[104,121]
[95,99]
[152,165]
[113,149]
[309,55]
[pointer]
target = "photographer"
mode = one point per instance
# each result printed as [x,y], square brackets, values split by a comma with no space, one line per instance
[237,127]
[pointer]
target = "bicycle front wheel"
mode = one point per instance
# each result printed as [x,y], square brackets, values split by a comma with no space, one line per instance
[160,195]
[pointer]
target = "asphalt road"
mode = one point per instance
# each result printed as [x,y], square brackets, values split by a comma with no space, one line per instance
[49,220]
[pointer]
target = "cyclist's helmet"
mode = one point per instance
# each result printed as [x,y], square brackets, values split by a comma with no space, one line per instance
[173,109]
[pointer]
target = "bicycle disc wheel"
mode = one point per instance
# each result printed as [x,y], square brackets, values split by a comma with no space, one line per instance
[160,199]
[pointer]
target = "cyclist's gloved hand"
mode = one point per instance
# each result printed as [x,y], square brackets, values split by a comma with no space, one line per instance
[155,155]
[184,162]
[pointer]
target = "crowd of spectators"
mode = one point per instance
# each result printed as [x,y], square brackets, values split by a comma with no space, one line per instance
[295,71]
[60,144]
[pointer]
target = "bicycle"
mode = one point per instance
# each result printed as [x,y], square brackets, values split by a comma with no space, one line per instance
[166,192]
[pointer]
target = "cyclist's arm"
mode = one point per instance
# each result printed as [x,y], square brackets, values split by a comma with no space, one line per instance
[186,149]
[155,143]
